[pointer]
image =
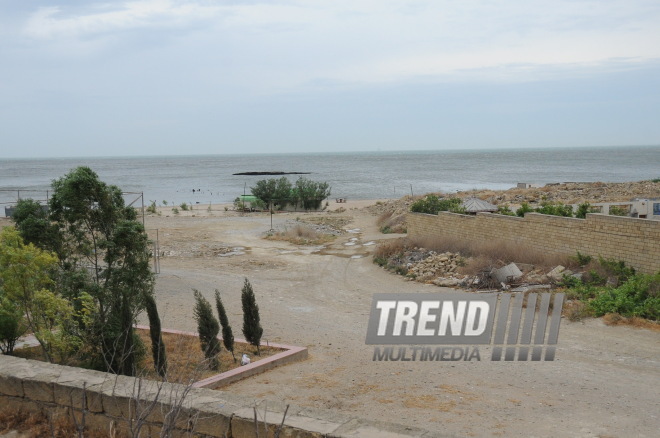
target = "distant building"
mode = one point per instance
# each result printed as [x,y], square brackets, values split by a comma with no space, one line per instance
[637,207]
[528,186]
[476,205]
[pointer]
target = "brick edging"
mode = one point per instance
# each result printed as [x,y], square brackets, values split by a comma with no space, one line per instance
[290,354]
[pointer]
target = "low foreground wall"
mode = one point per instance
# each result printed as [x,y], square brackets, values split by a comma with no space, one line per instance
[635,241]
[108,402]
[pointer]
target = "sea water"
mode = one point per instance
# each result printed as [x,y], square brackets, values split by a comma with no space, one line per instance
[360,175]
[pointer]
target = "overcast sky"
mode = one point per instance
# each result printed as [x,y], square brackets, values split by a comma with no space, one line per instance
[159,77]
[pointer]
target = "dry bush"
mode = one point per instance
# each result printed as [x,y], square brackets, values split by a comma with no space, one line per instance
[439,244]
[597,273]
[492,253]
[383,218]
[303,232]
[476,265]
[389,222]
[390,248]
[616,319]
[302,235]
[38,425]
[576,310]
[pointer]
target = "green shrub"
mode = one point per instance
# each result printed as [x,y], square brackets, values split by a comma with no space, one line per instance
[184,206]
[557,209]
[152,208]
[568,281]
[618,269]
[594,278]
[615,210]
[582,259]
[380,261]
[524,208]
[505,210]
[583,209]
[431,204]
[12,325]
[638,296]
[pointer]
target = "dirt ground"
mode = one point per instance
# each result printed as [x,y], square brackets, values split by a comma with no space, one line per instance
[605,381]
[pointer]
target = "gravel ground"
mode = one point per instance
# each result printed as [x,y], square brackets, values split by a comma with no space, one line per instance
[605,381]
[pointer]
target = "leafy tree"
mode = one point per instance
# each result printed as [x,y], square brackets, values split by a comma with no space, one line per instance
[155,332]
[274,192]
[24,271]
[227,334]
[59,324]
[310,194]
[431,204]
[208,329]
[251,326]
[35,227]
[12,325]
[104,251]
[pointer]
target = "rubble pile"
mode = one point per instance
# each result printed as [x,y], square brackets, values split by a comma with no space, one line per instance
[396,206]
[436,265]
[443,269]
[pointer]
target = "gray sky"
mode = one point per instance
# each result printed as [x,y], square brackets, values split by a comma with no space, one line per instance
[159,77]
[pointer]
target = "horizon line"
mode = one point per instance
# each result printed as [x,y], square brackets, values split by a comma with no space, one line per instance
[377,151]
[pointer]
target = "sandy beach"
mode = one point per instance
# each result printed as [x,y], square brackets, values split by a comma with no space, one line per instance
[603,383]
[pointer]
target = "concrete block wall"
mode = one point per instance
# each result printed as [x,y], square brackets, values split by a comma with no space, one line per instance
[635,241]
[108,402]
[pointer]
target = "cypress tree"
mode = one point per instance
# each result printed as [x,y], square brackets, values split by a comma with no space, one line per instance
[251,327]
[208,328]
[157,345]
[227,334]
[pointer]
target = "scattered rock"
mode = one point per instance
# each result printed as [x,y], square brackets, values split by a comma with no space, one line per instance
[507,273]
[434,266]
[557,273]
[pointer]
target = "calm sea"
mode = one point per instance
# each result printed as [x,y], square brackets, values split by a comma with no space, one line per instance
[360,175]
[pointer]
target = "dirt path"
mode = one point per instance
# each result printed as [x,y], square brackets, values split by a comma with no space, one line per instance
[605,381]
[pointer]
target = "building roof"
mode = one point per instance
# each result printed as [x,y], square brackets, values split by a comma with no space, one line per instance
[475,205]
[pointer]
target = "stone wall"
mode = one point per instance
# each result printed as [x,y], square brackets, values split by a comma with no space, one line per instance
[635,241]
[116,402]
